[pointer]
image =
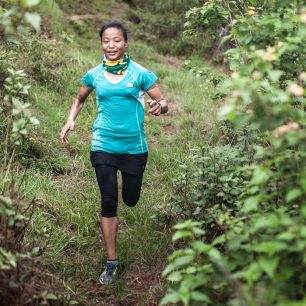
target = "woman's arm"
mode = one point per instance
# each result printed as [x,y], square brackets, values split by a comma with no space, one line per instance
[73,113]
[158,104]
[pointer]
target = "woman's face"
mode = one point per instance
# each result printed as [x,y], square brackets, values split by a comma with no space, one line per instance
[113,44]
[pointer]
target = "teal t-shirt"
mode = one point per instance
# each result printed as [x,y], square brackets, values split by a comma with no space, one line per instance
[119,126]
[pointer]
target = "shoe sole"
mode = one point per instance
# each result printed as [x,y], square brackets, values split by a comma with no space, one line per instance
[106,283]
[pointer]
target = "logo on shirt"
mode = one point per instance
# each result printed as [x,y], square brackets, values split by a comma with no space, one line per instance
[129,85]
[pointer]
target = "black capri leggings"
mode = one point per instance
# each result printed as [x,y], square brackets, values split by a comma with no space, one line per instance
[106,166]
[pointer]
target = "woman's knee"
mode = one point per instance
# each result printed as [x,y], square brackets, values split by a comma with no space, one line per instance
[109,207]
[131,189]
[130,201]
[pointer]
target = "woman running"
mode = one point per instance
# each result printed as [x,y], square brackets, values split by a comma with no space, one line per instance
[118,140]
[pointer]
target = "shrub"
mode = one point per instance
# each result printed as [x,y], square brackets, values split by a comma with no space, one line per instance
[160,24]
[21,281]
[258,254]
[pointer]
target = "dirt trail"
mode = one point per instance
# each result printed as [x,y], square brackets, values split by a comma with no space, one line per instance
[83,17]
[116,13]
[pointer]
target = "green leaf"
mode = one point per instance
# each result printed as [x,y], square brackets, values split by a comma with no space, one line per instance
[197,231]
[11,71]
[175,277]
[199,296]
[6,200]
[34,121]
[303,231]
[303,183]
[219,240]
[215,256]
[183,260]
[188,224]
[23,131]
[11,259]
[191,270]
[270,247]
[287,236]
[33,19]
[29,3]
[181,234]
[226,111]
[13,284]
[170,298]
[168,269]
[269,264]
[51,296]
[16,111]
[35,250]
[226,38]
[274,75]
[253,273]
[293,194]
[200,246]
[260,175]
[16,101]
[303,211]
[251,204]
[184,290]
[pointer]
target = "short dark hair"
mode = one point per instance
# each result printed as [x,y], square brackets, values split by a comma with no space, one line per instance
[115,24]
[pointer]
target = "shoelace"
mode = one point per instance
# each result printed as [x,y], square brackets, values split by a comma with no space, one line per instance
[110,268]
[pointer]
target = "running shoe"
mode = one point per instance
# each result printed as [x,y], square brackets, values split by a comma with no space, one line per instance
[110,273]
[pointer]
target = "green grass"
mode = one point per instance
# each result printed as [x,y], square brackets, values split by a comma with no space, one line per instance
[62,180]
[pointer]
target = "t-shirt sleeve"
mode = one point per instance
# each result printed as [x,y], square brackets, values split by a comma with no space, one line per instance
[87,80]
[147,79]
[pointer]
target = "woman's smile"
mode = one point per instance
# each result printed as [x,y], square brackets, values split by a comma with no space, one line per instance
[111,53]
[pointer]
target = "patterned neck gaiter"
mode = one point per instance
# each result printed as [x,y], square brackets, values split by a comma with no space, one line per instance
[116,67]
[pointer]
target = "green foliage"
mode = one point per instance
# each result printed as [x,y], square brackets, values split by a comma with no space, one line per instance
[16,16]
[212,78]
[212,181]
[224,24]
[257,229]
[47,60]
[15,109]
[16,257]
[211,16]
[160,24]
[211,22]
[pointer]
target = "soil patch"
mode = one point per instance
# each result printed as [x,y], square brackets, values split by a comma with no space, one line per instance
[145,285]
[169,129]
[83,17]
[172,61]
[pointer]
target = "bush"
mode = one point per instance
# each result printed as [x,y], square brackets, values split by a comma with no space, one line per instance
[21,278]
[160,24]
[256,256]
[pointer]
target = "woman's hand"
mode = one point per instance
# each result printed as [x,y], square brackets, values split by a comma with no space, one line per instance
[69,126]
[155,107]
[74,110]
[158,104]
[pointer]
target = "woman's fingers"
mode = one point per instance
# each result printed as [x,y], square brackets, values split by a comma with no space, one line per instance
[63,136]
[154,110]
[64,132]
[157,111]
[155,107]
